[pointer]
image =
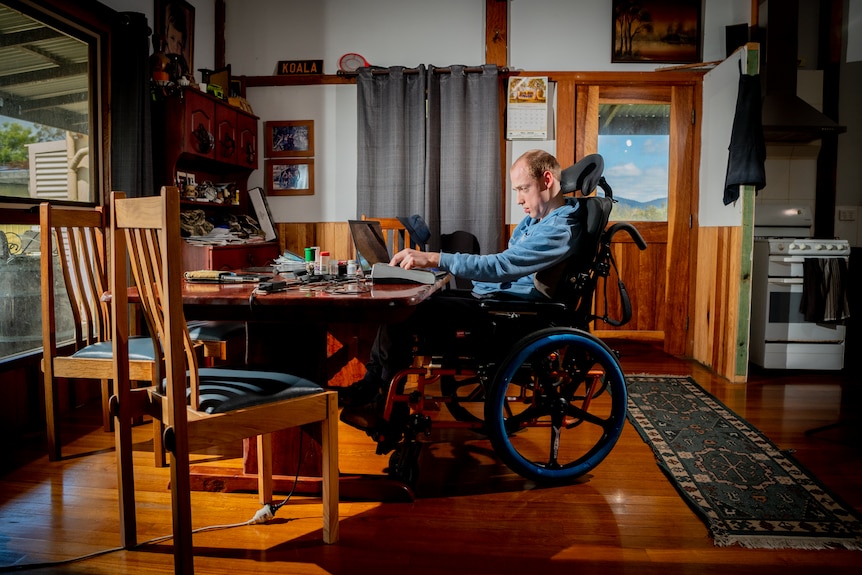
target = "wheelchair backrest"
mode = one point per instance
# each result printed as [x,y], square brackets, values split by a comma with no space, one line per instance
[574,281]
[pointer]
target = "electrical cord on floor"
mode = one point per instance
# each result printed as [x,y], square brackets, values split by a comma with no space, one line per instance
[264,514]
[269,510]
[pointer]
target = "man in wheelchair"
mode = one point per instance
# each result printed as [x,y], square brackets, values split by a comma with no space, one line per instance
[513,356]
[545,238]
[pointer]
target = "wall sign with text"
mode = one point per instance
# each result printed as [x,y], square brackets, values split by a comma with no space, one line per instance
[299,67]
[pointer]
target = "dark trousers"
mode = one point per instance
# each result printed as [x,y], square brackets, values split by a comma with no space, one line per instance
[450,321]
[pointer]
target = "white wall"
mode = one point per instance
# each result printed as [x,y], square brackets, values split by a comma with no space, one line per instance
[543,35]
[720,89]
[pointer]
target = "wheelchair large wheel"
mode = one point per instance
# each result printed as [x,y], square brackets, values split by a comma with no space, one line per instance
[557,405]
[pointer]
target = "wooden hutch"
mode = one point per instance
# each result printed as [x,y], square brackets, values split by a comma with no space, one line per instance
[211,140]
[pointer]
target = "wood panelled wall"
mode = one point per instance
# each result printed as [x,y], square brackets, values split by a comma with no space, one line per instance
[717,300]
[333,237]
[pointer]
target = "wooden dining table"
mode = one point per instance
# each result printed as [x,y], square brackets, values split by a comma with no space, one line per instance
[297,330]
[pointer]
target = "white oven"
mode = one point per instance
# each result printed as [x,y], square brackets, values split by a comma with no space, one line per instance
[781,337]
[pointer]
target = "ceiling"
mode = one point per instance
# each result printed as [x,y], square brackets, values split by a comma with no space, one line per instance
[43,74]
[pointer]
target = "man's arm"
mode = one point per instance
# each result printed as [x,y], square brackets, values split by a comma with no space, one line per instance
[409,258]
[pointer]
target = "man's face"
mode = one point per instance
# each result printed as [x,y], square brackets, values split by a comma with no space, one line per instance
[531,194]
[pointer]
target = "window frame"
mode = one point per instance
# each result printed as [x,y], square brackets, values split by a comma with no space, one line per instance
[91,22]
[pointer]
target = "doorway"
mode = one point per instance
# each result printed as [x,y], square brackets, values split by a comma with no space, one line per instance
[623,123]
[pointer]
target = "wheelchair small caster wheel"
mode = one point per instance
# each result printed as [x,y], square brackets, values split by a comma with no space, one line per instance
[404,465]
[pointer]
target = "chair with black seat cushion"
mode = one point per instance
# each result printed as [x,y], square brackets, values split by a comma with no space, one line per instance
[225,341]
[73,244]
[200,407]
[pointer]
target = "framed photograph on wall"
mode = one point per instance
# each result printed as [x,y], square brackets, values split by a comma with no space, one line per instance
[290,177]
[289,139]
[174,20]
[659,31]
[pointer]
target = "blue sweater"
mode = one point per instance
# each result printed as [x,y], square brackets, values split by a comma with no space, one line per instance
[535,245]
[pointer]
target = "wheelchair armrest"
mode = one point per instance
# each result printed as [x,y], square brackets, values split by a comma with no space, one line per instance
[632,231]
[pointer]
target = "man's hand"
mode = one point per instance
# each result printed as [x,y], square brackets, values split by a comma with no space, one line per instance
[409,258]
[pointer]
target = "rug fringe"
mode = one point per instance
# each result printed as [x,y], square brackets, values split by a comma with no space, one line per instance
[773,542]
[662,424]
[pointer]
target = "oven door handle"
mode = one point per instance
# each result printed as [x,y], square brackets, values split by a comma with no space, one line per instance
[785,281]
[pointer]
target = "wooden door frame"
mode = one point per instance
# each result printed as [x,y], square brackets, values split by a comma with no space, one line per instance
[577,113]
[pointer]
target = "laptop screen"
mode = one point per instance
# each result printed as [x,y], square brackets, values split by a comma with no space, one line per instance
[370,245]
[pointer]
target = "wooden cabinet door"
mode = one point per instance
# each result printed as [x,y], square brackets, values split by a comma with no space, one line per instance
[199,124]
[246,154]
[226,134]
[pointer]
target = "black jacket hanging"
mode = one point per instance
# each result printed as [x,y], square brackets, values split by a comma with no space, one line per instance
[746,161]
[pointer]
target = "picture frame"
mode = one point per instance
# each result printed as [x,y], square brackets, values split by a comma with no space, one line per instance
[289,177]
[661,32]
[175,21]
[289,139]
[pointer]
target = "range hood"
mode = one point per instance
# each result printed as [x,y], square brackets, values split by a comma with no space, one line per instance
[786,117]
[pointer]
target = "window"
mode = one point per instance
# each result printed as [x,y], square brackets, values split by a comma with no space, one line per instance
[49,144]
[634,140]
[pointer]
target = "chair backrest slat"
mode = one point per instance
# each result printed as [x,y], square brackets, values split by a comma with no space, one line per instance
[397,236]
[76,237]
[148,232]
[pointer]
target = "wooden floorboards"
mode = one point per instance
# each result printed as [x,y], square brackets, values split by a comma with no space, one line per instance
[471,516]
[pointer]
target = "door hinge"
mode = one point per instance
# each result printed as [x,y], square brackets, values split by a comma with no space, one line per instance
[693,117]
[686,323]
[690,221]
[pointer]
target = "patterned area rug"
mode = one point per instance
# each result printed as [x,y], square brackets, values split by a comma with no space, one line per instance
[747,491]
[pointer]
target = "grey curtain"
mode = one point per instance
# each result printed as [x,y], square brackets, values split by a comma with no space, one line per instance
[391,142]
[131,134]
[463,156]
[446,166]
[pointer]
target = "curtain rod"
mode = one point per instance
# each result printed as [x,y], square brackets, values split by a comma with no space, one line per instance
[446,70]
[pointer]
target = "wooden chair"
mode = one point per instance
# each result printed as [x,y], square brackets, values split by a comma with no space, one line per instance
[201,407]
[394,233]
[76,236]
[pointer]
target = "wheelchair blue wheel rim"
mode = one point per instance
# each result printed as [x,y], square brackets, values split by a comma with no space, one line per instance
[608,426]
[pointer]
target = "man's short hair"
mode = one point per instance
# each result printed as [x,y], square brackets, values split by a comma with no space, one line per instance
[540,161]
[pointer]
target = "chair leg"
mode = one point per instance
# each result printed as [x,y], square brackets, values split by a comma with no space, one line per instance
[181,505]
[107,420]
[159,456]
[329,473]
[125,478]
[264,468]
[52,418]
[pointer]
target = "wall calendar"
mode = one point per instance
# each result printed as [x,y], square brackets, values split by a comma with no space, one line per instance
[529,115]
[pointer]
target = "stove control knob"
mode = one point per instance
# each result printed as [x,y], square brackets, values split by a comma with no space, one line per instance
[820,247]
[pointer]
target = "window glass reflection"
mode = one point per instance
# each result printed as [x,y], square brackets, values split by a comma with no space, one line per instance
[634,140]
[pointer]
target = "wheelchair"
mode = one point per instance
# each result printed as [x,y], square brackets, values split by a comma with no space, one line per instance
[550,396]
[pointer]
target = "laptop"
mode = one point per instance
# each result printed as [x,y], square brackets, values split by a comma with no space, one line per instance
[373,256]
[370,244]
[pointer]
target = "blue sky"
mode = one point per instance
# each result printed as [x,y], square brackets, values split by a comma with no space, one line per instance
[636,167]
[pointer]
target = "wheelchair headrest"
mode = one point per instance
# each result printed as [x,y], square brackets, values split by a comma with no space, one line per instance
[585,175]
